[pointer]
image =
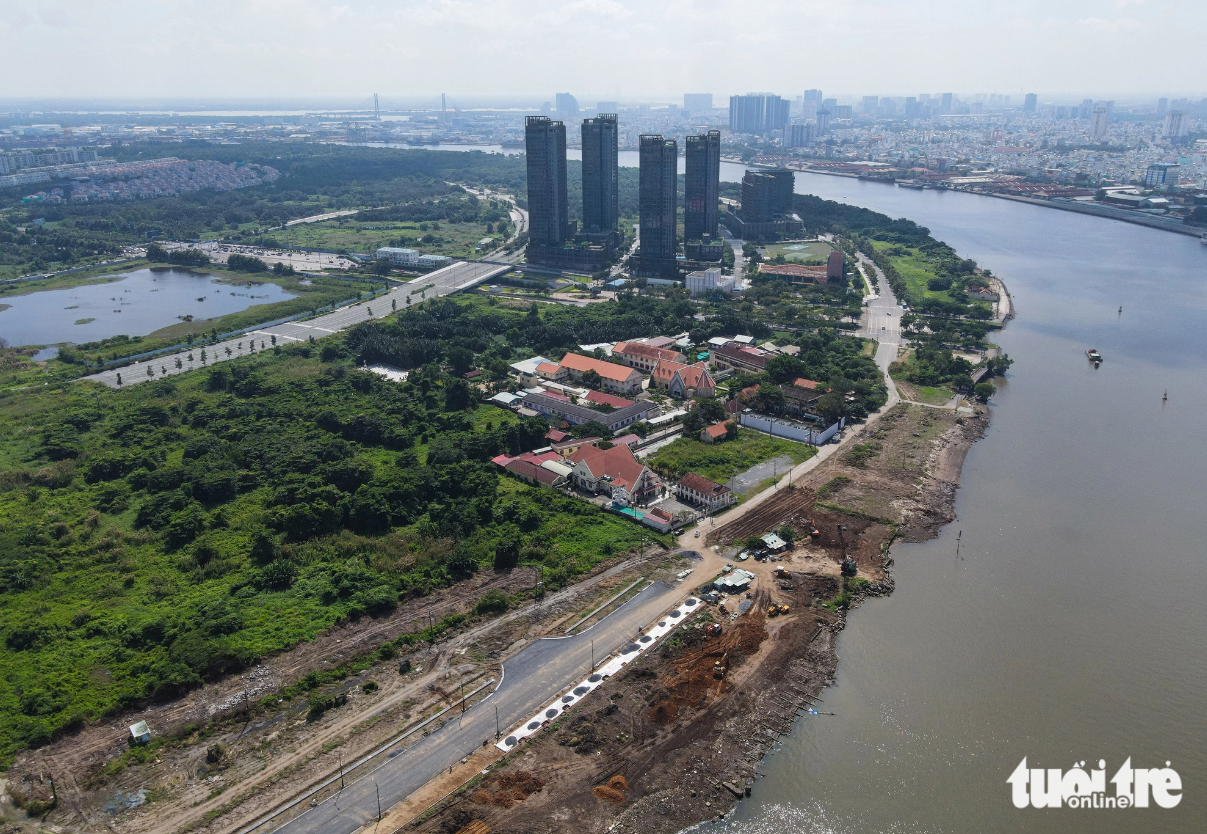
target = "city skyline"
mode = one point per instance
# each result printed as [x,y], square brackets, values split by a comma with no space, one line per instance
[316,48]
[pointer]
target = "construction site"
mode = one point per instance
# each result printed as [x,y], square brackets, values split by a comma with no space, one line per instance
[673,738]
[677,738]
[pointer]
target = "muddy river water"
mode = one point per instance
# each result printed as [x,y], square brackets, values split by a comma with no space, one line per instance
[1071,626]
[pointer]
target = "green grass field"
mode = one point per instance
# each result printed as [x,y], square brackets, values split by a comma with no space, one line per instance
[457,240]
[721,461]
[799,251]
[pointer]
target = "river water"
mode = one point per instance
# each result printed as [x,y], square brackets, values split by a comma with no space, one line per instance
[139,303]
[1072,625]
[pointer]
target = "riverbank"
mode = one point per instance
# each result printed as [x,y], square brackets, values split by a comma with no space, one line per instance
[685,744]
[1094,210]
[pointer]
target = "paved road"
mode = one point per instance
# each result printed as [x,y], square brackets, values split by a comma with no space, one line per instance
[446,281]
[881,320]
[531,679]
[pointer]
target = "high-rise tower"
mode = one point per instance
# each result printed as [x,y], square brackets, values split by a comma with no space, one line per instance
[601,178]
[659,160]
[702,185]
[548,211]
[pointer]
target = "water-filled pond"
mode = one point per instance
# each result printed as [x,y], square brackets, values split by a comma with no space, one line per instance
[138,303]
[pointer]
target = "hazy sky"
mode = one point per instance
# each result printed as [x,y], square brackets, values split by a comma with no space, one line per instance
[628,49]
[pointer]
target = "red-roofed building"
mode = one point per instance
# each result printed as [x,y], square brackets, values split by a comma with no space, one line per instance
[543,469]
[714,433]
[659,519]
[626,440]
[615,377]
[796,273]
[551,371]
[801,382]
[644,357]
[555,436]
[698,490]
[600,398]
[741,358]
[684,381]
[614,472]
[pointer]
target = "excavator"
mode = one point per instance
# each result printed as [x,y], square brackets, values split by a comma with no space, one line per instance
[721,667]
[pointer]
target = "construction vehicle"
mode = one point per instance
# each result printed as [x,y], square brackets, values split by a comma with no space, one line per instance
[721,667]
[849,568]
[775,610]
[713,630]
[784,609]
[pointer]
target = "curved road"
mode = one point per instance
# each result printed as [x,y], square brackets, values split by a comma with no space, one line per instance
[531,679]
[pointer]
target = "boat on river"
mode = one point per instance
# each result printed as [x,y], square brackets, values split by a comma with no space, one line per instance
[1094,356]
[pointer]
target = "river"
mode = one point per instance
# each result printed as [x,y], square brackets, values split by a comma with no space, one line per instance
[1071,626]
[138,303]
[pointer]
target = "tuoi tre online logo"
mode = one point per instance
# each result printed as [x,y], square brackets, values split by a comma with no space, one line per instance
[1077,788]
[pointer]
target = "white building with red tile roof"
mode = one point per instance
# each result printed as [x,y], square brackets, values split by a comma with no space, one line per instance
[644,357]
[698,490]
[617,378]
[614,472]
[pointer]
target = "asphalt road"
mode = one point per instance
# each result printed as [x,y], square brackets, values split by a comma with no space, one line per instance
[881,321]
[531,680]
[450,279]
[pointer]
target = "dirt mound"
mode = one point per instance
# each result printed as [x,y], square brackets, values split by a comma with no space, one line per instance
[511,788]
[521,781]
[618,783]
[664,712]
[608,794]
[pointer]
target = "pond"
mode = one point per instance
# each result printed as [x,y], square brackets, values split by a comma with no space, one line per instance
[137,304]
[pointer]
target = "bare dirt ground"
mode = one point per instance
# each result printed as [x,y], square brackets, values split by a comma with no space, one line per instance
[233,752]
[667,743]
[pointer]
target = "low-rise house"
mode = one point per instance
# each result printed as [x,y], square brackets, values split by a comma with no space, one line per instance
[700,491]
[774,543]
[801,397]
[552,371]
[561,408]
[617,378]
[684,381]
[629,440]
[600,398]
[741,358]
[614,472]
[570,445]
[659,519]
[643,356]
[506,399]
[734,582]
[537,468]
[714,433]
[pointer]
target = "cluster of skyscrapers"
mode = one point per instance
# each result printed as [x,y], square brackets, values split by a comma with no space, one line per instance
[555,240]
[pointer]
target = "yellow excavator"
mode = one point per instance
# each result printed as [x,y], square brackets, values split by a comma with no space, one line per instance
[721,667]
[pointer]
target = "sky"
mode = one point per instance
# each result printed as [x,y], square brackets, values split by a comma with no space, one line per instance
[632,50]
